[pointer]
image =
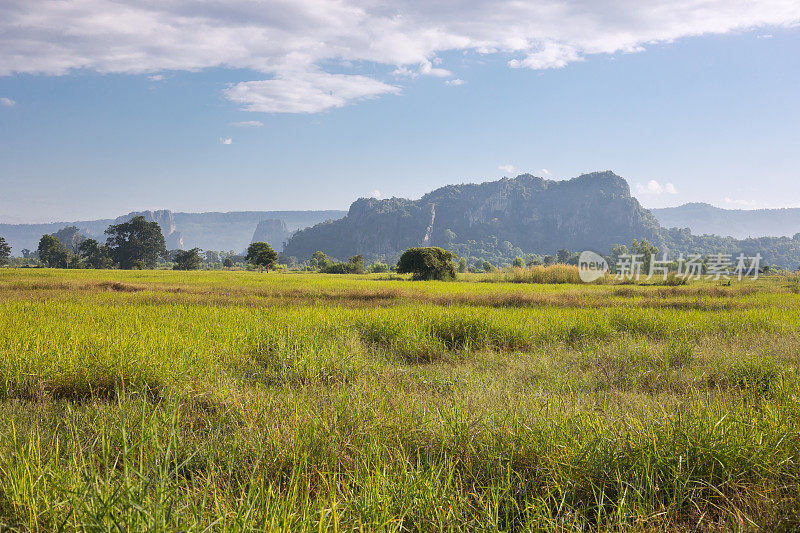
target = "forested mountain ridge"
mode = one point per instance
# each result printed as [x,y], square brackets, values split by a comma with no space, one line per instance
[534,214]
[704,218]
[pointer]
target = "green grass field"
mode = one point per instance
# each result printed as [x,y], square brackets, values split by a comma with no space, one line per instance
[162,400]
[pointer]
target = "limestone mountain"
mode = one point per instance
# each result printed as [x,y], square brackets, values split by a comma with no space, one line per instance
[592,211]
[273,231]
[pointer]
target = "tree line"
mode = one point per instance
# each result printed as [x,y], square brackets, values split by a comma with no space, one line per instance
[139,244]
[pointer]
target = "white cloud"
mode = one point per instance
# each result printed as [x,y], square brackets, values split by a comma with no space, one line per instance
[7,102]
[545,172]
[655,188]
[425,68]
[549,55]
[765,36]
[305,92]
[290,41]
[226,140]
[376,194]
[247,124]
[741,203]
[454,83]
[507,168]
[156,77]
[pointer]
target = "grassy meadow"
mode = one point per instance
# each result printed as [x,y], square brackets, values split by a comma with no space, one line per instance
[161,400]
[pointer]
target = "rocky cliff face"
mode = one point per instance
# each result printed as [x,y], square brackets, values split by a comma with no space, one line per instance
[273,231]
[592,211]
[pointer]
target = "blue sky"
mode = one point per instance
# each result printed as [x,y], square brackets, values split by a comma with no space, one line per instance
[683,112]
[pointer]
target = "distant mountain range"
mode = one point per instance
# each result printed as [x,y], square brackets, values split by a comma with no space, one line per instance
[704,218]
[209,231]
[496,221]
[592,211]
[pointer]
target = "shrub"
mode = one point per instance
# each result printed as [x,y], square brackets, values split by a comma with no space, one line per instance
[354,266]
[427,263]
[673,280]
[380,268]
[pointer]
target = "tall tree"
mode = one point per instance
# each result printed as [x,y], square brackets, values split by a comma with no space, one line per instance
[5,251]
[70,237]
[52,253]
[646,250]
[136,243]
[187,259]
[94,254]
[261,255]
[319,260]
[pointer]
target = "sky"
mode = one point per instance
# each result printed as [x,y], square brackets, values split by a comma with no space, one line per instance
[107,107]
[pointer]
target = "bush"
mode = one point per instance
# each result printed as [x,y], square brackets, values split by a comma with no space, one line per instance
[380,268]
[674,280]
[427,263]
[354,266]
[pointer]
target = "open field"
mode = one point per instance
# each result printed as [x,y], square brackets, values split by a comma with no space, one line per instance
[245,401]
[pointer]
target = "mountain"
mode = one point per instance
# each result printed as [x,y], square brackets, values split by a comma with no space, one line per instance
[703,218]
[209,231]
[234,230]
[592,211]
[21,236]
[273,231]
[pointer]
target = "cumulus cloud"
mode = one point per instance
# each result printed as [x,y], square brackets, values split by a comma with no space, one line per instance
[376,194]
[305,92]
[7,102]
[425,68]
[507,168]
[226,140]
[544,172]
[156,77]
[247,124]
[454,83]
[292,41]
[655,188]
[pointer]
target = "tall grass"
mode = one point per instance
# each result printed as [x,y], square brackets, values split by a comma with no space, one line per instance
[553,274]
[172,407]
